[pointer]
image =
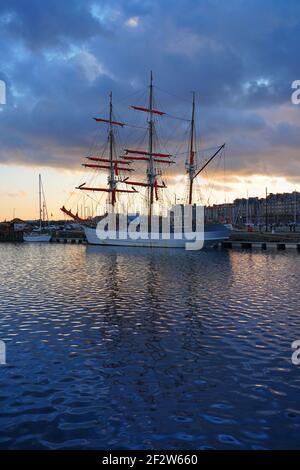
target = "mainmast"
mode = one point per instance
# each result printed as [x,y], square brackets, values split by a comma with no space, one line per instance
[152,158]
[111,180]
[151,170]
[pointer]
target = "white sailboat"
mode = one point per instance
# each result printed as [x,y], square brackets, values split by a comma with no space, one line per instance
[38,235]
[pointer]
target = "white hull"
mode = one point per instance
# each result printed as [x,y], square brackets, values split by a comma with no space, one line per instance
[211,238]
[32,237]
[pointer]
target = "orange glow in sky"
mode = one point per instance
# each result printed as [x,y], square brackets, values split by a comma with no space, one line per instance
[19,190]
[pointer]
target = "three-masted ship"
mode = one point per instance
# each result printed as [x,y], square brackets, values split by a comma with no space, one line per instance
[120,182]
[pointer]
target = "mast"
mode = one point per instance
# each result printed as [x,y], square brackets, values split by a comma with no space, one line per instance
[150,172]
[44,205]
[191,167]
[266,210]
[150,157]
[40,202]
[111,180]
[295,208]
[112,165]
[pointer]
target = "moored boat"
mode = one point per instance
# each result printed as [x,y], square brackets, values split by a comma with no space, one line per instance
[39,235]
[118,183]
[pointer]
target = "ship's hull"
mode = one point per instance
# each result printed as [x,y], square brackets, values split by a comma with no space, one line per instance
[40,237]
[213,234]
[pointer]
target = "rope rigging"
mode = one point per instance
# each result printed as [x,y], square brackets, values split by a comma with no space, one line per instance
[168,134]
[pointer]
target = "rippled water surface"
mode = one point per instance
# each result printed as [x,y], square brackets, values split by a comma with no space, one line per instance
[133,348]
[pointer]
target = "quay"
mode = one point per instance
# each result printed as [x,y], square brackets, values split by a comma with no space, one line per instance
[73,241]
[263,241]
[72,237]
[9,234]
[239,239]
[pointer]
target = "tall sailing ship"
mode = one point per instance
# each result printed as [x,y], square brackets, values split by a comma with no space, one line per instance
[119,182]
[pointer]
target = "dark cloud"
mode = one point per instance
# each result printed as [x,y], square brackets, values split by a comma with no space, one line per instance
[48,24]
[60,59]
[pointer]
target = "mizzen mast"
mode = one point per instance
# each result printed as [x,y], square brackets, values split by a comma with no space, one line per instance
[191,165]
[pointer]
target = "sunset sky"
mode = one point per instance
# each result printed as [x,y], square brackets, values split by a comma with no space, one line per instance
[59,61]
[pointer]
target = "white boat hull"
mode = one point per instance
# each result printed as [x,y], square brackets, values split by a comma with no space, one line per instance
[212,236]
[43,237]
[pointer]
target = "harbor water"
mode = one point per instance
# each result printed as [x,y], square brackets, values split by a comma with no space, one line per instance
[123,348]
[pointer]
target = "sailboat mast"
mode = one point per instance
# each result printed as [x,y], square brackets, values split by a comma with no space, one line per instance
[112,182]
[151,172]
[192,152]
[40,202]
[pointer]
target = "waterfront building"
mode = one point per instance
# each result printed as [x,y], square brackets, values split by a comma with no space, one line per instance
[277,209]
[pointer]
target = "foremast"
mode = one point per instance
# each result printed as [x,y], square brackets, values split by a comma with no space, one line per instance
[111,163]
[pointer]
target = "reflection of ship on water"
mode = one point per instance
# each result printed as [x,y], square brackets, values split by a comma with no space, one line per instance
[155,324]
[158,298]
[120,183]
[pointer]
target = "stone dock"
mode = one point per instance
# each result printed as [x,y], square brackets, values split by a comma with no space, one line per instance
[263,241]
[72,237]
